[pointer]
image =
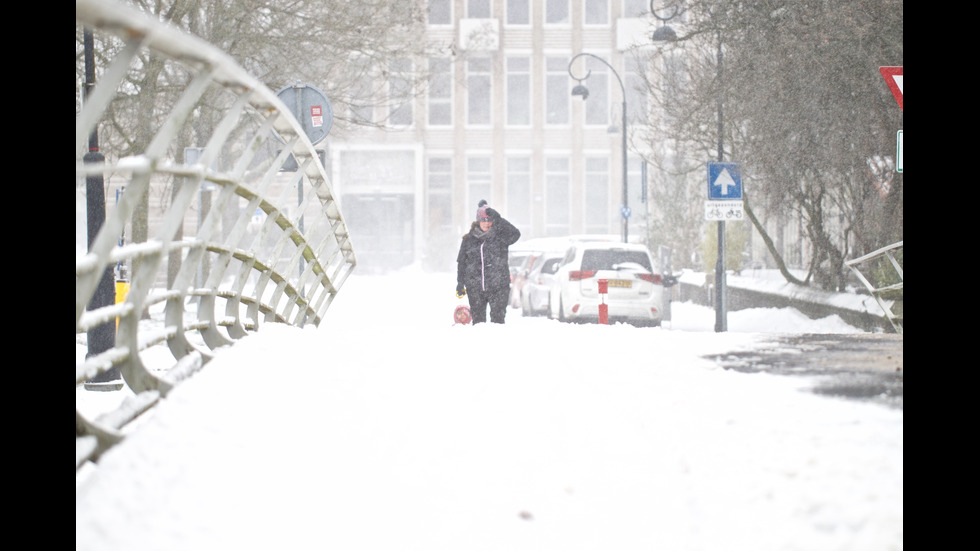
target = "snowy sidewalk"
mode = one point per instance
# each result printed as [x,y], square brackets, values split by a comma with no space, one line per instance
[534,435]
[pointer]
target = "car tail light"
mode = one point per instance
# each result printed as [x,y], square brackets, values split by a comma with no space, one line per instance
[652,278]
[576,275]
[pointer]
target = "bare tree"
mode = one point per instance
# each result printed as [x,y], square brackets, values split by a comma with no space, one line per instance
[805,111]
[343,47]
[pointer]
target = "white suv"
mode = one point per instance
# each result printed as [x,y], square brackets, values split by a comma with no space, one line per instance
[635,291]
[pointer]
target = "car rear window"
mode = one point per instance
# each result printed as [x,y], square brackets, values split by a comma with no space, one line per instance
[551,265]
[606,259]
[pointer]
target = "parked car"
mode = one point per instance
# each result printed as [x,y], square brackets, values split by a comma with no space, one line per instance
[515,258]
[518,277]
[635,291]
[537,285]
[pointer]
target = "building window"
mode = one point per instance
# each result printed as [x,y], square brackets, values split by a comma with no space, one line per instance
[634,179]
[441,239]
[440,92]
[479,9]
[597,106]
[479,178]
[557,90]
[518,91]
[363,90]
[440,183]
[636,93]
[597,209]
[556,12]
[440,12]
[596,12]
[676,84]
[557,183]
[518,12]
[479,81]
[636,8]
[400,112]
[519,192]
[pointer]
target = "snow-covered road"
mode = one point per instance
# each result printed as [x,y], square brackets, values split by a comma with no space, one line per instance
[389,428]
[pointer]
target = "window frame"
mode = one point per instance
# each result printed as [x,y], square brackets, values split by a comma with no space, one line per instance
[472,88]
[446,101]
[585,14]
[528,8]
[519,216]
[395,109]
[547,13]
[481,14]
[477,178]
[448,4]
[557,221]
[593,175]
[556,70]
[527,98]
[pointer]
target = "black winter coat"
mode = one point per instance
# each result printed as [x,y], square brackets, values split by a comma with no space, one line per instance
[482,261]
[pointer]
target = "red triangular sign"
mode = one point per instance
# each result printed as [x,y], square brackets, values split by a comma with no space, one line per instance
[893,78]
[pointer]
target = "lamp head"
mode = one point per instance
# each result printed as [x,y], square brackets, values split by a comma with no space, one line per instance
[664,34]
[580,90]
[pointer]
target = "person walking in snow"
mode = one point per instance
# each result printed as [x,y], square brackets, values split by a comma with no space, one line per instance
[482,270]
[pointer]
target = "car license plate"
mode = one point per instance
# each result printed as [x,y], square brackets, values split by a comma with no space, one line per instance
[625,283]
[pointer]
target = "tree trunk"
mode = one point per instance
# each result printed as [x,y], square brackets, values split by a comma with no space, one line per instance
[780,263]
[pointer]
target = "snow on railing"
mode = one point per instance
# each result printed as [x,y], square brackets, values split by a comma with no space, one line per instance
[272,246]
[883,280]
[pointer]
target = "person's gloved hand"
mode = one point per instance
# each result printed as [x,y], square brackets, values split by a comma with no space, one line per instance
[460,290]
[493,214]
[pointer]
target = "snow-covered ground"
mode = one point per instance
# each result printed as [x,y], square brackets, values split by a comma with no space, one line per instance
[389,428]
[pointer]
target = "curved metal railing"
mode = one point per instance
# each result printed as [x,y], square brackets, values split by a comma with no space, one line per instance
[882,274]
[273,247]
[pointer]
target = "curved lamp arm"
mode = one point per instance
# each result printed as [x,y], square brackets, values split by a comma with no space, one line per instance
[589,71]
[672,7]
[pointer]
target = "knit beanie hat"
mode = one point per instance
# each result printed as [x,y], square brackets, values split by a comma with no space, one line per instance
[481,211]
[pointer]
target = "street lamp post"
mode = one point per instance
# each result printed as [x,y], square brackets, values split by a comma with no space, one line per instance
[581,90]
[721,292]
[662,34]
[102,337]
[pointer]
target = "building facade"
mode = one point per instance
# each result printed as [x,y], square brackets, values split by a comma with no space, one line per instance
[498,121]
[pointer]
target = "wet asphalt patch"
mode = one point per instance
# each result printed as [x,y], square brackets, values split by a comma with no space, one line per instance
[860,366]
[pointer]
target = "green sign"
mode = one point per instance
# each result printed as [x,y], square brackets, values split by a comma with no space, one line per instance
[898,152]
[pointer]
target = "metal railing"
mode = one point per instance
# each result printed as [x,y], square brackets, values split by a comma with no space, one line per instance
[881,273]
[273,247]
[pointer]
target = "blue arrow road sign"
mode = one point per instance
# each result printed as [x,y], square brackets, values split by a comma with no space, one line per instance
[724,182]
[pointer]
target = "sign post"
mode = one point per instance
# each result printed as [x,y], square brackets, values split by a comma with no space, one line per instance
[310,106]
[724,203]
